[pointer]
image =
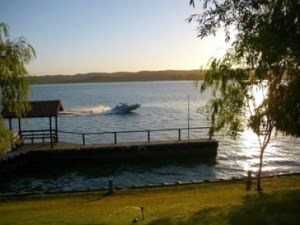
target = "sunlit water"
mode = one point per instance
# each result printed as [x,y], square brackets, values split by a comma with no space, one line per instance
[163,105]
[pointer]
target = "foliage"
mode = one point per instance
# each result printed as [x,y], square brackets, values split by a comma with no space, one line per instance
[14,54]
[264,57]
[5,137]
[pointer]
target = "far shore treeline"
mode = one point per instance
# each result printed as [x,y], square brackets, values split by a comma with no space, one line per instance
[166,75]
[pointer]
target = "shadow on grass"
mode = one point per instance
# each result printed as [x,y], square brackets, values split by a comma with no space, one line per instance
[103,195]
[84,224]
[279,208]
[206,216]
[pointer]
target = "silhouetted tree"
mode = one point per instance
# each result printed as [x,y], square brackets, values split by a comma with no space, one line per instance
[14,54]
[264,57]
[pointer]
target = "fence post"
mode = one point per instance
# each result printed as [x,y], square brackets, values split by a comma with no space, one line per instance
[83,139]
[110,186]
[115,137]
[179,134]
[249,180]
[148,135]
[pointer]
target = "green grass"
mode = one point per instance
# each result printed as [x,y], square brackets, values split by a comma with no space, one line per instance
[219,203]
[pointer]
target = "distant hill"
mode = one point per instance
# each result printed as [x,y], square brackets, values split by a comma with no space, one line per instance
[118,77]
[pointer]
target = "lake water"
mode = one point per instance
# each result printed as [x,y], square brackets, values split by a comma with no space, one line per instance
[163,105]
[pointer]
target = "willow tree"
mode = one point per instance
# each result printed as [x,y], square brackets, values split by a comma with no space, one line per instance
[14,54]
[264,59]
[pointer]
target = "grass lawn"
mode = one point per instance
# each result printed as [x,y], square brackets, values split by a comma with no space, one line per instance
[210,203]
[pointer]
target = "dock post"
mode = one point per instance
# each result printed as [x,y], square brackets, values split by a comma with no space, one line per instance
[11,140]
[83,139]
[110,186]
[56,132]
[148,131]
[20,126]
[115,137]
[43,138]
[179,134]
[51,134]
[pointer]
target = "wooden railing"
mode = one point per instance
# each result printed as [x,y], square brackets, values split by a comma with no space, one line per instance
[33,135]
[147,133]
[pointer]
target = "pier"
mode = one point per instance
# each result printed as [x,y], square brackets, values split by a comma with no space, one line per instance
[49,147]
[47,153]
[52,144]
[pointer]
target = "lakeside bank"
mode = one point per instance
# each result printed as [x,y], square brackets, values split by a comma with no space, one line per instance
[207,203]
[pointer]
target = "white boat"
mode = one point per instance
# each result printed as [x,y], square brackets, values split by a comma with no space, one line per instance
[124,108]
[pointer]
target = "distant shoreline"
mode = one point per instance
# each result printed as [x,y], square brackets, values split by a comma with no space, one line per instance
[166,75]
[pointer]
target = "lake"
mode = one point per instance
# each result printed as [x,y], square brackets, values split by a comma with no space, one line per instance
[163,105]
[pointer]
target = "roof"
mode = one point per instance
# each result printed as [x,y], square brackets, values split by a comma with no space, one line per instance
[38,109]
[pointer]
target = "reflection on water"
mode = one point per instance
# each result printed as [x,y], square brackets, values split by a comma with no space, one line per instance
[250,149]
[274,155]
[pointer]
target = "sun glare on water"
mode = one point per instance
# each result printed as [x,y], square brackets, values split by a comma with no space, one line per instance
[249,140]
[259,94]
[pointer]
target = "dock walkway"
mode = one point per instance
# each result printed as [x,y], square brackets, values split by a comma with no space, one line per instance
[63,151]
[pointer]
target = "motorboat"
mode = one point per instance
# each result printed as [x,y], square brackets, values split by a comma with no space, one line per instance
[124,108]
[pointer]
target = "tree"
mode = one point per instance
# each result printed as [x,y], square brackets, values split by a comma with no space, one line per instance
[264,57]
[14,54]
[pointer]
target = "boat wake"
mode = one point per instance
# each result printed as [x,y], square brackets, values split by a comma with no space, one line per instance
[121,108]
[101,109]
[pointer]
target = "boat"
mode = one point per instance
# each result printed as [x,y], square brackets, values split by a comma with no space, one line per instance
[124,108]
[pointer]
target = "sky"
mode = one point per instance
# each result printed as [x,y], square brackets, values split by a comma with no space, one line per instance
[82,36]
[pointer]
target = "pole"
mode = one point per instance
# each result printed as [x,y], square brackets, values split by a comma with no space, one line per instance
[12,140]
[115,137]
[20,126]
[56,133]
[110,186]
[188,117]
[50,126]
[10,124]
[83,139]
[148,135]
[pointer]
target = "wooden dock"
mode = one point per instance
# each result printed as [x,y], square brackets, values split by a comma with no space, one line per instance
[42,153]
[202,147]
[52,153]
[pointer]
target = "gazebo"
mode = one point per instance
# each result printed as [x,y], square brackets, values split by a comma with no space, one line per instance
[37,109]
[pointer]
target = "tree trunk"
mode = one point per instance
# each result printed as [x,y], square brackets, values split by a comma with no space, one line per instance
[258,185]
